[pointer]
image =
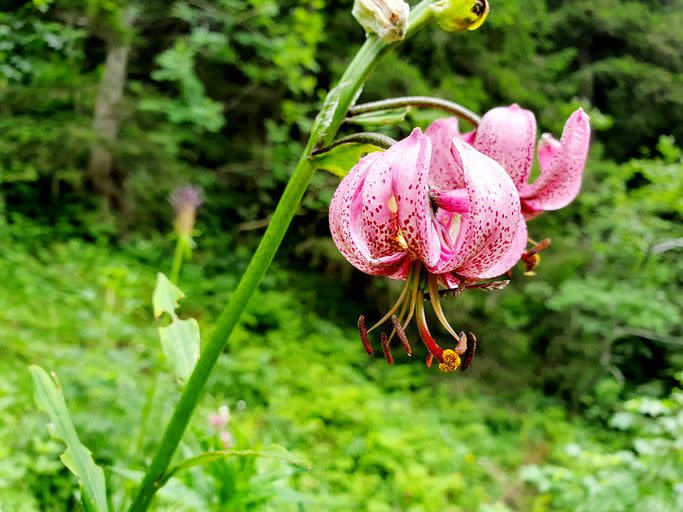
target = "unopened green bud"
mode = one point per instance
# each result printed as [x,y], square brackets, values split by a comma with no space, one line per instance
[386,18]
[457,15]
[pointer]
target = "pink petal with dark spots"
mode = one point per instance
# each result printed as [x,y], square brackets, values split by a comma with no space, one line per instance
[561,166]
[508,135]
[514,253]
[410,163]
[486,234]
[441,173]
[346,228]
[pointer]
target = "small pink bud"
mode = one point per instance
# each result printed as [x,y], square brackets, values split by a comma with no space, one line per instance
[227,440]
[218,420]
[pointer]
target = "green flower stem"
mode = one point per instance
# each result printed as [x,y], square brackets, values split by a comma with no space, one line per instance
[420,102]
[325,128]
[376,139]
[180,248]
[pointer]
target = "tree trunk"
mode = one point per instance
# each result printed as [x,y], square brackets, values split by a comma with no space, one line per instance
[106,123]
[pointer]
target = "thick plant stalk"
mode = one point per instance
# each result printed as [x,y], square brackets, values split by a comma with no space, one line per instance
[325,128]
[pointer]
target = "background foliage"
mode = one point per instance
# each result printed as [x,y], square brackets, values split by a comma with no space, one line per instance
[575,400]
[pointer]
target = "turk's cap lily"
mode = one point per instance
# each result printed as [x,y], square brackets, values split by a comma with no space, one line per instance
[386,18]
[387,220]
[458,15]
[384,216]
[508,135]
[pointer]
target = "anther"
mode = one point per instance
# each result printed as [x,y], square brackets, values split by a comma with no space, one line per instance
[401,335]
[385,348]
[469,353]
[532,258]
[364,338]
[461,347]
[490,286]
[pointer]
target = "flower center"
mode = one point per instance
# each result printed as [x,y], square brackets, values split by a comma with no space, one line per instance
[420,286]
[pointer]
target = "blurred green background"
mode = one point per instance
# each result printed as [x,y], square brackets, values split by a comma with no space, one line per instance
[574,402]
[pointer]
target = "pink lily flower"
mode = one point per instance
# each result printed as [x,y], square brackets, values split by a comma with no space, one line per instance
[508,135]
[385,220]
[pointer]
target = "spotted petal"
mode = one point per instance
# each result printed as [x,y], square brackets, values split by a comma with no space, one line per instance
[562,166]
[508,135]
[346,225]
[489,229]
[411,159]
[442,175]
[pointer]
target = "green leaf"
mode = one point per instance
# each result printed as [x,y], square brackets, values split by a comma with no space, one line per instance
[275,452]
[380,118]
[77,458]
[166,296]
[180,343]
[180,339]
[340,159]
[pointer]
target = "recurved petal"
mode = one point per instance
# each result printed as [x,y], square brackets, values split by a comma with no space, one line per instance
[489,229]
[345,218]
[561,166]
[514,253]
[441,173]
[416,222]
[508,135]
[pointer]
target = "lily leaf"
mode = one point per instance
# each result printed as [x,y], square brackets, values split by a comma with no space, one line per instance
[340,159]
[180,339]
[380,118]
[275,452]
[77,458]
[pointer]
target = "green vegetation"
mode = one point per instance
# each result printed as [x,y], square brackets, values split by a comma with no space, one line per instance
[574,401]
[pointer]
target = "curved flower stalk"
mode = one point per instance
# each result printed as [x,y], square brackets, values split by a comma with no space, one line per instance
[386,220]
[508,135]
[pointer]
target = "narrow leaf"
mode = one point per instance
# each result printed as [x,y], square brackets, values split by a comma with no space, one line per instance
[275,452]
[340,159]
[77,458]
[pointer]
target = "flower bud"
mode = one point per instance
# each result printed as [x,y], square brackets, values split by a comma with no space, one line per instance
[185,201]
[386,18]
[457,15]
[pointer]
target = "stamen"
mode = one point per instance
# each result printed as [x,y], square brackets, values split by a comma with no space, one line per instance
[532,258]
[401,335]
[429,361]
[436,304]
[364,338]
[493,285]
[469,354]
[399,302]
[385,348]
[462,344]
[401,315]
[416,293]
